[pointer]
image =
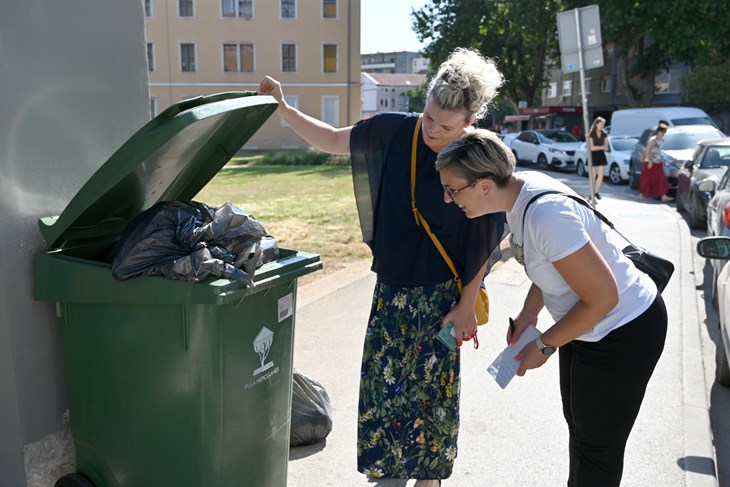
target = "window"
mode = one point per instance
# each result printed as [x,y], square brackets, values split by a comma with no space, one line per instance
[288,9]
[237,8]
[606,84]
[150,57]
[185,8]
[329,9]
[289,58]
[148,8]
[329,58]
[567,88]
[153,107]
[187,57]
[292,101]
[238,58]
[331,110]
[552,90]
[668,81]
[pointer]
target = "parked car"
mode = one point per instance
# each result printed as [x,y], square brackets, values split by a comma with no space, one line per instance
[698,178]
[546,148]
[508,138]
[617,158]
[679,144]
[718,249]
[718,220]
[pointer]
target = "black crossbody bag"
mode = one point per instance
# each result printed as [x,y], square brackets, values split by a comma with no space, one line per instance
[658,268]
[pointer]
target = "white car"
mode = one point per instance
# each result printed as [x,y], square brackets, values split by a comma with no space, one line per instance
[618,156]
[546,148]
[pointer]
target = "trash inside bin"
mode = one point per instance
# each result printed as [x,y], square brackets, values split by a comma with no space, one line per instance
[311,410]
[171,382]
[191,241]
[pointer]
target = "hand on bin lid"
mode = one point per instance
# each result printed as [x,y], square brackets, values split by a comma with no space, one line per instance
[190,241]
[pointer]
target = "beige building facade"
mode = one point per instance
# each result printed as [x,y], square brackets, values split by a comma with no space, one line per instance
[202,47]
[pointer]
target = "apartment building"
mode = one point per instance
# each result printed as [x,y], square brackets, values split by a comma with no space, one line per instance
[562,98]
[202,47]
[406,62]
[386,92]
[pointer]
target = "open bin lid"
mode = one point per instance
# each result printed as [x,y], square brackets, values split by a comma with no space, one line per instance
[172,157]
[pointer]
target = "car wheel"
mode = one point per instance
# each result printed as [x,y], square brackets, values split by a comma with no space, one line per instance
[517,159]
[678,202]
[614,174]
[542,161]
[696,218]
[580,169]
[722,372]
[633,181]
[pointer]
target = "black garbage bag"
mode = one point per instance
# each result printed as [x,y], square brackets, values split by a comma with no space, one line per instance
[311,411]
[191,241]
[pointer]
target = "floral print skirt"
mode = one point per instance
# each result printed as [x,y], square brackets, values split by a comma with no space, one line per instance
[408,421]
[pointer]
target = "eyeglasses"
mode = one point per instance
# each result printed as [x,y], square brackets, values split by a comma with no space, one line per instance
[661,129]
[453,192]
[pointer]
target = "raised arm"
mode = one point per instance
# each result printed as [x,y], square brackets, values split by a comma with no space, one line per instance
[320,135]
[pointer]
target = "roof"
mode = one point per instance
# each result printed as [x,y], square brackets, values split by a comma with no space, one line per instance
[397,79]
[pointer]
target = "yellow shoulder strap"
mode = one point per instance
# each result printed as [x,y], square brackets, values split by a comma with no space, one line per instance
[417,214]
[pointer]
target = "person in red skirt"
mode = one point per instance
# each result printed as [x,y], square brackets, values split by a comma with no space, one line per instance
[653,183]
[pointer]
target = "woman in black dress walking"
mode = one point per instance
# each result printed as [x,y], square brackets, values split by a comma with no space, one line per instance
[598,143]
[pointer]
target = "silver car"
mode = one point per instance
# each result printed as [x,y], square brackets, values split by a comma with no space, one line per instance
[546,148]
[617,158]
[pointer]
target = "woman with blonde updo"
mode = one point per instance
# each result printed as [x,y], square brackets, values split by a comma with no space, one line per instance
[408,419]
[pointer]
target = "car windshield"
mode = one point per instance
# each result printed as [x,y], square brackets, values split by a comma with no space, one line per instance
[556,136]
[683,140]
[623,144]
[716,157]
[693,121]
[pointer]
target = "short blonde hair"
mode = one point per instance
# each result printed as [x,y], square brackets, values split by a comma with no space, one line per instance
[466,80]
[478,154]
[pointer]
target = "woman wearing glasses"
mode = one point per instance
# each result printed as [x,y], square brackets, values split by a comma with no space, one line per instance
[610,322]
[409,386]
[653,182]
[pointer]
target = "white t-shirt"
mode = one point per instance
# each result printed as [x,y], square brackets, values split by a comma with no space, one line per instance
[557,226]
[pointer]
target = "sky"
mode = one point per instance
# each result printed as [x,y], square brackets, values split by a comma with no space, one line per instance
[385,26]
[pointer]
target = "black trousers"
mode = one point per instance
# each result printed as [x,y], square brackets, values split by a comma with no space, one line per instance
[602,385]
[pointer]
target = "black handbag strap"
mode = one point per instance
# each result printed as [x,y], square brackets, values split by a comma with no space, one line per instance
[583,202]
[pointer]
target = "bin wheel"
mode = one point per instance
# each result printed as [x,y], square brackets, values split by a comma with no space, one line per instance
[74,480]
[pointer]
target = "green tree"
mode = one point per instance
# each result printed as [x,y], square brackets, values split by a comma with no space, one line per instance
[706,88]
[648,37]
[417,98]
[520,35]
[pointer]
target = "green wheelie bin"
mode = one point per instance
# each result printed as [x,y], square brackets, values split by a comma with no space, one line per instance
[171,383]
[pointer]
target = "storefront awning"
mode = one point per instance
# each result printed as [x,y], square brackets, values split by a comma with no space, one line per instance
[516,118]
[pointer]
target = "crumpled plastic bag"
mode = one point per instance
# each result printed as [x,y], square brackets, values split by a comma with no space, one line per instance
[192,241]
[311,411]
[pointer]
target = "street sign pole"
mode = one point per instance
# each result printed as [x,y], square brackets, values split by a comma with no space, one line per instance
[584,100]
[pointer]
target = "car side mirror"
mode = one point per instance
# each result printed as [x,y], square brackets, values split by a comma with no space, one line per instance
[706,186]
[688,165]
[714,247]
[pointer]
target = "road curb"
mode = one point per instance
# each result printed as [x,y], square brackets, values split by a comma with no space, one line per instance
[699,461]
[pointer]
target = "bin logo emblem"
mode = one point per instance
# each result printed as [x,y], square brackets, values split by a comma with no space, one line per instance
[262,345]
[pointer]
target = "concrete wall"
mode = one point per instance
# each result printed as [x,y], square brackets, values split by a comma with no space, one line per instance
[73,87]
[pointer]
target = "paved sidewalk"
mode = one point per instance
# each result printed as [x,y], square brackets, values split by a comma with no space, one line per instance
[517,436]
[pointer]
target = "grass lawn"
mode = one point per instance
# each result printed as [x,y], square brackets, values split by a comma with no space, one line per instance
[307,208]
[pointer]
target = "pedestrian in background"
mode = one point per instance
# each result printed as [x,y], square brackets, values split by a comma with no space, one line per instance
[408,418]
[610,322]
[653,182]
[575,131]
[598,144]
